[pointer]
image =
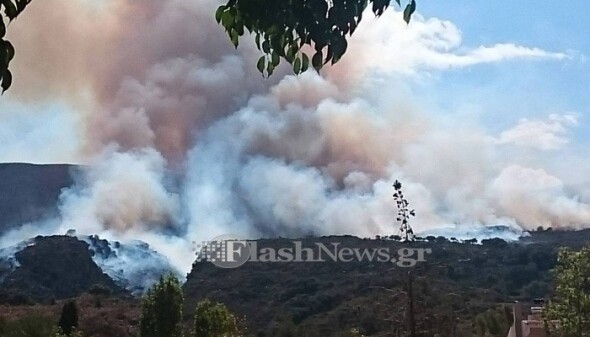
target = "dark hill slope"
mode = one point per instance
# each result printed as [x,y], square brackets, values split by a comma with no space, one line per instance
[30,192]
[456,283]
[53,267]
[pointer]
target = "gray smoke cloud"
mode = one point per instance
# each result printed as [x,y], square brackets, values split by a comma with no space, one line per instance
[184,140]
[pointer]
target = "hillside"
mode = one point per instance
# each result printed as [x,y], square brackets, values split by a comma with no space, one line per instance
[459,289]
[49,268]
[458,284]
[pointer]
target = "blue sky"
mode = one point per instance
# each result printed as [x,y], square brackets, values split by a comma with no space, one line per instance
[528,88]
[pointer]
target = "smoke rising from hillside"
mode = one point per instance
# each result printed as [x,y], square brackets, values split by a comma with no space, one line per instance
[185,141]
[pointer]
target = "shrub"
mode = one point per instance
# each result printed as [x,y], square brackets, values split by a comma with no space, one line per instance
[34,325]
[69,318]
[162,309]
[214,320]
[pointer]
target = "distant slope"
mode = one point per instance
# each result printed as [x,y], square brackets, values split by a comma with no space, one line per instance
[30,192]
[57,267]
[52,267]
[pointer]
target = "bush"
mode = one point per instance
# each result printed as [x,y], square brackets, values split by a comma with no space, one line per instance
[69,318]
[162,309]
[99,289]
[214,320]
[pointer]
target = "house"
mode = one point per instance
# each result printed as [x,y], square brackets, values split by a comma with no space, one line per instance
[528,322]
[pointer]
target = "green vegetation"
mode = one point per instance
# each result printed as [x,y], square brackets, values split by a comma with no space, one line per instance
[11,9]
[494,322]
[162,309]
[404,213]
[33,325]
[284,28]
[68,322]
[162,314]
[214,320]
[463,290]
[571,303]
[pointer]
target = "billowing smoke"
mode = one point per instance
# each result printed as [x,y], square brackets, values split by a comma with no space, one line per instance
[184,140]
[121,191]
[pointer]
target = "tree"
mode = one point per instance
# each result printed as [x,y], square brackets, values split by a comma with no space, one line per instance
[214,320]
[571,303]
[282,28]
[11,9]
[403,213]
[161,314]
[68,321]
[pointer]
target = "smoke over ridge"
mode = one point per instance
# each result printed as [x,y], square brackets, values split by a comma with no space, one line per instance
[184,140]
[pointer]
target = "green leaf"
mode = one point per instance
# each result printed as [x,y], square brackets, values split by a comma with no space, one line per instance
[227,20]
[290,54]
[234,37]
[316,60]
[297,66]
[9,48]
[410,9]
[2,29]
[399,3]
[233,11]
[10,9]
[275,58]
[353,26]
[304,63]
[6,81]
[379,6]
[266,47]
[3,58]
[21,4]
[260,64]
[339,50]
[239,28]
[219,13]
[270,68]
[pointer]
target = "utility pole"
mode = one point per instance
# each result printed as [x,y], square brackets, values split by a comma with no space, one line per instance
[411,319]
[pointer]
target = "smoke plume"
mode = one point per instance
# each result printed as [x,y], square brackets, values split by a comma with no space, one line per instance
[184,140]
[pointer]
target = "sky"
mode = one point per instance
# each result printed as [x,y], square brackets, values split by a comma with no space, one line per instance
[529,89]
[506,91]
[480,108]
[515,89]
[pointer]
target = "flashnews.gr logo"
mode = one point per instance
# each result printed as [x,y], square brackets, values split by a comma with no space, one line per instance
[225,251]
[230,251]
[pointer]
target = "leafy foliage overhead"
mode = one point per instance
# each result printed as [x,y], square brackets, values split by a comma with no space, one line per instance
[283,28]
[303,32]
[9,9]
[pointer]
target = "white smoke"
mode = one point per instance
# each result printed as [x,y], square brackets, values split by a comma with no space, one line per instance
[120,191]
[550,134]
